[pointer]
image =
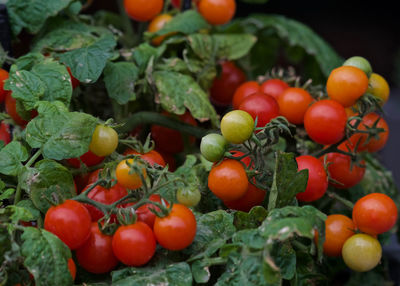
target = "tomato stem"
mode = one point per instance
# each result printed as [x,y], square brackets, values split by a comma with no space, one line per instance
[344,201]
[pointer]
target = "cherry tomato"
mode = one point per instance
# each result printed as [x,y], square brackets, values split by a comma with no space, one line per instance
[375,213]
[169,140]
[144,213]
[213,147]
[152,157]
[177,230]
[3,76]
[260,106]
[96,254]
[361,63]
[224,85]
[325,122]
[252,197]
[143,10]
[74,82]
[104,141]
[379,88]
[237,126]
[5,133]
[361,252]
[188,197]
[293,104]
[217,12]
[338,228]
[346,84]
[11,109]
[70,221]
[124,178]
[157,24]
[244,90]
[72,268]
[89,159]
[317,182]
[228,180]
[135,244]
[274,87]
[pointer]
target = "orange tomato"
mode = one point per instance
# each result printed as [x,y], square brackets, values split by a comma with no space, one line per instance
[217,12]
[143,10]
[338,228]
[157,24]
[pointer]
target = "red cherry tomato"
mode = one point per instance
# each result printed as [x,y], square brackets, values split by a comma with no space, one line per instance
[74,82]
[11,109]
[338,228]
[135,244]
[96,254]
[70,221]
[244,90]
[253,197]
[317,182]
[89,159]
[152,157]
[246,160]
[3,77]
[177,230]
[144,213]
[224,86]
[274,87]
[5,133]
[72,268]
[217,12]
[293,104]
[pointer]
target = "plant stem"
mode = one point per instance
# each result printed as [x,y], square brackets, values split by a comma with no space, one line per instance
[18,193]
[130,38]
[33,158]
[344,201]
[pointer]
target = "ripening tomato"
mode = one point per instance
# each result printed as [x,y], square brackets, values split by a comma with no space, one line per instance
[379,87]
[131,181]
[188,197]
[274,87]
[157,24]
[89,159]
[213,147]
[253,197]
[104,141]
[293,104]
[237,126]
[317,182]
[96,254]
[244,90]
[260,106]
[3,76]
[338,228]
[325,122]
[152,157]
[177,230]
[217,12]
[144,213]
[228,180]
[70,221]
[361,63]
[224,85]
[375,213]
[143,10]
[135,244]
[72,268]
[11,109]
[74,82]
[346,84]
[5,133]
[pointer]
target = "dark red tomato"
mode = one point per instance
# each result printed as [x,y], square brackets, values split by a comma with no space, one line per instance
[135,244]
[96,254]
[105,196]
[72,268]
[293,104]
[226,83]
[176,3]
[274,87]
[253,197]
[343,171]
[169,159]
[325,122]
[75,83]
[89,159]
[70,221]
[177,230]
[152,157]
[5,133]
[317,183]
[244,90]
[262,106]
[144,212]
[81,181]
[3,77]
[93,176]
[169,140]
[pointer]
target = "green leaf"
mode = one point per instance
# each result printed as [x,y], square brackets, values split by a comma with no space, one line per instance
[177,274]
[27,62]
[19,213]
[143,53]
[252,219]
[29,206]
[120,81]
[6,194]
[176,92]
[87,63]
[11,157]
[32,14]
[46,257]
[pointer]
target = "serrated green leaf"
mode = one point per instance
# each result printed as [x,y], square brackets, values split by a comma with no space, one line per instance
[29,206]
[27,62]
[249,237]
[143,53]
[11,157]
[19,213]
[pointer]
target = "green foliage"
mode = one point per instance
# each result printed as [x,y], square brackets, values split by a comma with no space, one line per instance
[11,157]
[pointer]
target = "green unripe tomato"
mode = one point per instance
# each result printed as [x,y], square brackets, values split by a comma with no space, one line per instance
[213,147]
[237,126]
[188,197]
[361,63]
[104,141]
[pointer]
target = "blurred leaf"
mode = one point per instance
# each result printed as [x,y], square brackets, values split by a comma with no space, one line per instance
[252,219]
[11,157]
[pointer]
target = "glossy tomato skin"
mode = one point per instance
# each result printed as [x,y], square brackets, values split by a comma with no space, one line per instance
[375,213]
[144,213]
[70,221]
[293,104]
[252,197]
[260,106]
[217,12]
[224,85]
[124,178]
[143,10]
[213,147]
[338,228]
[244,90]
[379,87]
[5,133]
[89,159]
[346,84]
[274,87]
[237,126]
[228,180]
[3,76]
[135,244]
[157,24]
[96,254]
[325,122]
[104,141]
[317,183]
[361,63]
[177,230]
[169,160]
[152,157]
[361,252]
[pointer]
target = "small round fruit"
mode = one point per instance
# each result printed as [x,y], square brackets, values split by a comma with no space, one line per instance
[143,10]
[237,126]
[244,90]
[89,159]
[3,77]
[379,88]
[72,268]
[361,252]
[144,213]
[293,104]
[157,24]
[104,141]
[361,63]
[213,147]
[217,12]
[188,197]
[274,87]
[152,157]
[253,197]
[338,228]
[126,179]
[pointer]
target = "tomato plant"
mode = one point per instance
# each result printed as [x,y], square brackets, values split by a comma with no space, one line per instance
[188,197]
[156,24]
[11,109]
[274,87]
[5,133]
[127,178]
[3,77]
[144,213]
[213,147]
[379,87]
[89,159]
[104,141]
[152,157]
[361,63]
